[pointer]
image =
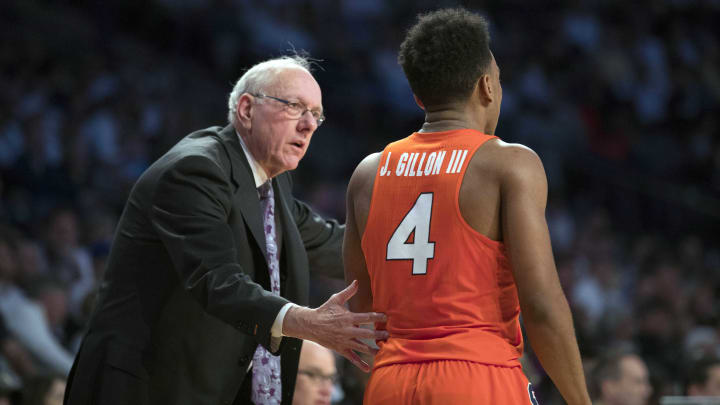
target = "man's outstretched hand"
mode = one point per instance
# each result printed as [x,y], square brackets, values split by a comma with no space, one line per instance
[335,327]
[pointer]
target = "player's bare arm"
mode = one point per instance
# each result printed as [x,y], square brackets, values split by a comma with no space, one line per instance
[359,195]
[546,314]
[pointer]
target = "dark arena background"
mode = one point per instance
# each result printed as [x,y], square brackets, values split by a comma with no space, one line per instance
[621,100]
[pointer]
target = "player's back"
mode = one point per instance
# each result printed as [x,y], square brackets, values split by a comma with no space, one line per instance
[447,289]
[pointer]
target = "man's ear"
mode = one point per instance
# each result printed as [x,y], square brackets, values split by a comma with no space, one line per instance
[485,89]
[418,102]
[244,110]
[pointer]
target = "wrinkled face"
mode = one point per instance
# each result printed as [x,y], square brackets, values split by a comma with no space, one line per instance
[633,386]
[277,141]
[310,389]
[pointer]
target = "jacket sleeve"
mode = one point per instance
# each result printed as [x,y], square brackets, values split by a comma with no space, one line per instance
[189,211]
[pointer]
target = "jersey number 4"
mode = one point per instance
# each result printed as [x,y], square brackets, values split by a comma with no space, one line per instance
[411,239]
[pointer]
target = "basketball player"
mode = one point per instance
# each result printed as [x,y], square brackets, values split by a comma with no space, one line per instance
[446,235]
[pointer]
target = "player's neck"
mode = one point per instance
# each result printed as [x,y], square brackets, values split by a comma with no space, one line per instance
[449,119]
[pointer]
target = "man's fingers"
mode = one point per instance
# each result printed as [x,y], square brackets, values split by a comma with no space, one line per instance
[368,317]
[381,335]
[356,360]
[361,347]
[363,333]
[343,296]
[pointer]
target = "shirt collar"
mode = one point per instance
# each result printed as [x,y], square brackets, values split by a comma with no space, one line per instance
[258,172]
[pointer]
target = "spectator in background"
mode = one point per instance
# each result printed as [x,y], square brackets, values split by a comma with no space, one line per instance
[26,319]
[704,378]
[44,390]
[99,229]
[15,361]
[5,395]
[69,262]
[316,375]
[53,299]
[620,378]
[31,261]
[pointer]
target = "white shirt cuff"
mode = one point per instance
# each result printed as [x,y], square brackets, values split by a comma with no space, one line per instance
[276,329]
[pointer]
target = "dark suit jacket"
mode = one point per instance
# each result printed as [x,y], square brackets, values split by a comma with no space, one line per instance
[184,301]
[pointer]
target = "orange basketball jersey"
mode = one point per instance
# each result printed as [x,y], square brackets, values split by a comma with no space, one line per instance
[447,290]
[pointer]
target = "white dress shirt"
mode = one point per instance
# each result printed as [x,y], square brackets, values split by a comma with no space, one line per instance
[261,177]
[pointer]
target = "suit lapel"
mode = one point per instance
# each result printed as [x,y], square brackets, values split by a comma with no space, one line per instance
[283,216]
[246,196]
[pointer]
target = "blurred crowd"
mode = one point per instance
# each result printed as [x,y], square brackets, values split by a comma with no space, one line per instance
[620,99]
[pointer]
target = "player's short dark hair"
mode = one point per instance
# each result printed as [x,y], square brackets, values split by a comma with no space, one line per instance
[444,54]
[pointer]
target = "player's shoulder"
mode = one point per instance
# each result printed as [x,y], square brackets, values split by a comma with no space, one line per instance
[369,163]
[509,159]
[364,174]
[503,151]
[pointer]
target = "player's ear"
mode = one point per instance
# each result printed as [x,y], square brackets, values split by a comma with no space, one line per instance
[418,102]
[485,89]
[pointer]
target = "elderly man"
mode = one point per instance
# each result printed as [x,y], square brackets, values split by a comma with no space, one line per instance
[210,253]
[316,375]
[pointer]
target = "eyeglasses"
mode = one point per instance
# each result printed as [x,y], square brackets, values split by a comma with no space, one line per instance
[296,109]
[318,377]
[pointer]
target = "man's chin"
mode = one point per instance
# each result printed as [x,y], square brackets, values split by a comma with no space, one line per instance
[292,164]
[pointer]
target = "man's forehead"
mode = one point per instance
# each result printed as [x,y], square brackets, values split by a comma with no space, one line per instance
[316,355]
[298,83]
[633,365]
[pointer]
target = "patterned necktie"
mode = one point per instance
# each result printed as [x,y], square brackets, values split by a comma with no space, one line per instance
[266,385]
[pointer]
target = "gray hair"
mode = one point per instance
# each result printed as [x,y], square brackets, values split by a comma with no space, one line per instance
[260,76]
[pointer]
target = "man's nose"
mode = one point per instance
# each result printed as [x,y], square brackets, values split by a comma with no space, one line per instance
[326,387]
[308,121]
